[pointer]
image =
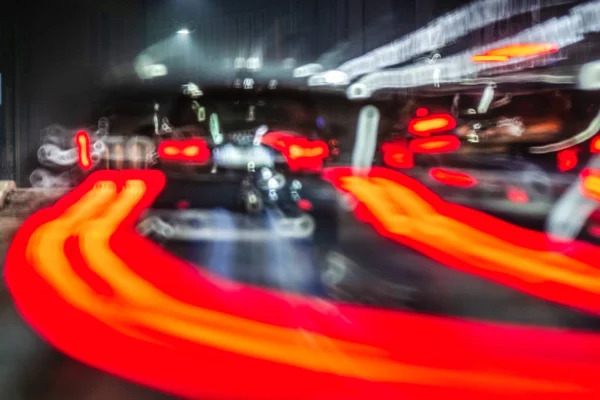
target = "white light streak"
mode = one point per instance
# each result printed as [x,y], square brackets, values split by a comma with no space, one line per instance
[442,31]
[329,78]
[561,32]
[307,70]
[366,139]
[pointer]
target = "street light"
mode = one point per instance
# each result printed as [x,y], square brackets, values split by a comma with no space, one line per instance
[183,31]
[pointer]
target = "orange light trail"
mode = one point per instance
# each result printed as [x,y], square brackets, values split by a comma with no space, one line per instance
[166,324]
[516,51]
[406,211]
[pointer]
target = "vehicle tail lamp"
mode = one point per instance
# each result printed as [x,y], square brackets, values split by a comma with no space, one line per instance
[452,178]
[425,126]
[590,184]
[190,151]
[594,230]
[301,153]
[422,112]
[595,145]
[567,160]
[436,144]
[517,195]
[506,53]
[397,156]
[84,150]
[305,205]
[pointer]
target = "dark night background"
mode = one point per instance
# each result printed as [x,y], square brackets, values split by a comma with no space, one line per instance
[54,56]
[57,58]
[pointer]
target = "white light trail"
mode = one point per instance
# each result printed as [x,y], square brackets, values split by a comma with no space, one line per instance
[366,139]
[442,31]
[561,32]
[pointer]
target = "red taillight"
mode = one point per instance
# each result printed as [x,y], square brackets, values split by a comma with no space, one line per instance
[277,140]
[567,160]
[305,205]
[191,151]
[517,195]
[301,153]
[452,178]
[505,53]
[425,126]
[84,150]
[436,144]
[590,184]
[422,112]
[595,145]
[396,155]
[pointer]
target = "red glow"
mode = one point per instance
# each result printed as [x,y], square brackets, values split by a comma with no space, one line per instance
[567,160]
[182,205]
[434,145]
[594,230]
[516,51]
[305,205]
[84,150]
[191,151]
[422,112]
[517,195]
[590,184]
[431,124]
[404,210]
[595,145]
[396,155]
[202,331]
[452,178]
[301,153]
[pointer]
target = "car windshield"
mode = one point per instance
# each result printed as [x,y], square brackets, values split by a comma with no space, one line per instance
[304,199]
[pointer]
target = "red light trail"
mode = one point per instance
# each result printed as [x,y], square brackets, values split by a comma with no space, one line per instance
[89,284]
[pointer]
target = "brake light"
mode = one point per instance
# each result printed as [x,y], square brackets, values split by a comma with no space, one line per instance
[425,126]
[590,184]
[452,178]
[396,155]
[505,53]
[300,153]
[595,145]
[313,150]
[517,195]
[437,144]
[278,140]
[84,150]
[567,160]
[170,151]
[192,151]
[422,112]
[305,205]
